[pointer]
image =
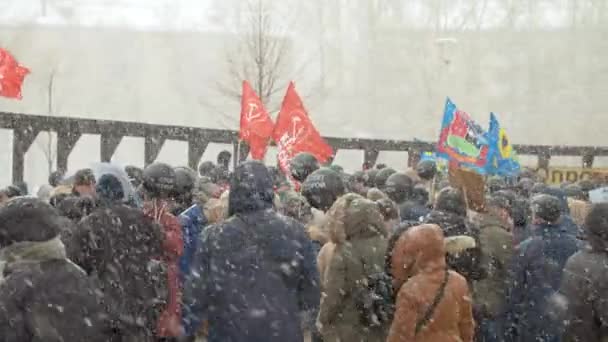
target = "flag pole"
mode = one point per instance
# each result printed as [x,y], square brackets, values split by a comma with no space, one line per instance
[237,160]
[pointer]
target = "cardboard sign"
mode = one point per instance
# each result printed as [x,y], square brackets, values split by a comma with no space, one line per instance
[559,175]
[472,185]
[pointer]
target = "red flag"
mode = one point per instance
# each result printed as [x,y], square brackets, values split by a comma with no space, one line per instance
[256,124]
[295,133]
[11,75]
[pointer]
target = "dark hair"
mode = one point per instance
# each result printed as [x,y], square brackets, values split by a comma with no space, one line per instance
[388,209]
[499,202]
[84,177]
[451,200]
[596,222]
[223,158]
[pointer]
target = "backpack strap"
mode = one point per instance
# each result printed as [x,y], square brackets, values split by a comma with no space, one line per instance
[431,309]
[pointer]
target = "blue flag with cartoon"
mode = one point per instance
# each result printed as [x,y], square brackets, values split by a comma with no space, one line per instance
[502,158]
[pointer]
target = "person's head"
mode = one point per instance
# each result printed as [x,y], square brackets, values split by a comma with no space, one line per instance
[303,165]
[500,208]
[575,191]
[495,184]
[374,194]
[420,195]
[55,178]
[135,174]
[206,169]
[322,188]
[159,181]
[418,249]
[399,187]
[109,189]
[84,182]
[389,212]
[251,189]
[586,187]
[28,219]
[426,170]
[382,177]
[524,186]
[538,188]
[337,168]
[295,206]
[451,200]
[546,209]
[370,178]
[13,191]
[358,183]
[352,217]
[185,180]
[223,159]
[596,227]
[380,166]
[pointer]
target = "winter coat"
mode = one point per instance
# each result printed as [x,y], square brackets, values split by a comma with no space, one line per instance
[496,255]
[418,267]
[585,288]
[44,297]
[465,259]
[357,230]
[121,249]
[537,270]
[173,248]
[193,220]
[254,273]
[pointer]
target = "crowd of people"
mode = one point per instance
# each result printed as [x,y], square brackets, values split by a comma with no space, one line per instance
[172,254]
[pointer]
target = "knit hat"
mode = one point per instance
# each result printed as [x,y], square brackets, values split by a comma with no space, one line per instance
[27,219]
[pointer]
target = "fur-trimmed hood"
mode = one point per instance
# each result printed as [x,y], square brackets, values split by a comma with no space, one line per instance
[354,217]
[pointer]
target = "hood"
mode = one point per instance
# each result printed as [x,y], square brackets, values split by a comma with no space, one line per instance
[251,189]
[101,169]
[451,224]
[419,250]
[354,217]
[109,189]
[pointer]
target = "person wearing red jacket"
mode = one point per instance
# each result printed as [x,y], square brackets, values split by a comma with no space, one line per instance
[158,185]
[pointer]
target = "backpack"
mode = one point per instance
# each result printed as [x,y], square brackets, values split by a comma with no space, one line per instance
[375,301]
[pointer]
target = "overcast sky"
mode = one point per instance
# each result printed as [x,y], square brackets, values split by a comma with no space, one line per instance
[205,15]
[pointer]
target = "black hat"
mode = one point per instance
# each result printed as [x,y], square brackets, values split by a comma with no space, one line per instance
[426,169]
[399,187]
[382,177]
[322,188]
[159,180]
[302,165]
[206,169]
[185,179]
[28,219]
[596,224]
[573,190]
[55,178]
[451,200]
[84,177]
[496,184]
[109,188]
[370,178]
[546,207]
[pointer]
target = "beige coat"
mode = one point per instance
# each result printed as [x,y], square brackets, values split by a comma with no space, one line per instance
[356,251]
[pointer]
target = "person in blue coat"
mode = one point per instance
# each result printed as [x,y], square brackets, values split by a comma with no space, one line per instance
[253,274]
[537,272]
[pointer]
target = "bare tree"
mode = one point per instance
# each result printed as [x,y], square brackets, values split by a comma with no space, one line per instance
[260,54]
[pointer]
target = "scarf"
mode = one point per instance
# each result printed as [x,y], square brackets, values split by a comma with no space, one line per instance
[28,252]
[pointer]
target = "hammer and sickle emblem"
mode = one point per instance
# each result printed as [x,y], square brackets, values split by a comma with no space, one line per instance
[253,114]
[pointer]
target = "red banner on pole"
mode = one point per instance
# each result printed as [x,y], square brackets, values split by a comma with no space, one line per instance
[11,75]
[256,124]
[295,133]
